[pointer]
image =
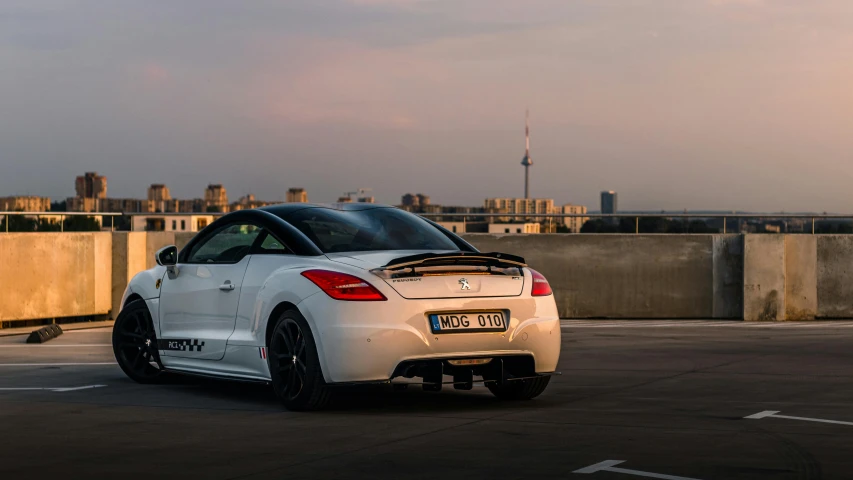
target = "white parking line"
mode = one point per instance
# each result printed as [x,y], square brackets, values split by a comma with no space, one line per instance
[52,389]
[609,466]
[571,324]
[74,389]
[42,345]
[54,364]
[645,323]
[772,414]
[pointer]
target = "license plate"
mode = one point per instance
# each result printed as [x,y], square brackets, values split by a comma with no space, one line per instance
[464,322]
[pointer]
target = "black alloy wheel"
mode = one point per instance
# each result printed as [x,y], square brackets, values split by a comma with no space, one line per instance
[289,358]
[294,364]
[135,343]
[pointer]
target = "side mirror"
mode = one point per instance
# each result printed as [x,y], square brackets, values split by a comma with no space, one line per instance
[167,256]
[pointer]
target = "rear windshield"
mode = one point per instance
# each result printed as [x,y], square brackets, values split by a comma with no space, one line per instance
[368,230]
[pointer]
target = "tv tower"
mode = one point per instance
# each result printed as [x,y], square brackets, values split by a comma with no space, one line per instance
[526,161]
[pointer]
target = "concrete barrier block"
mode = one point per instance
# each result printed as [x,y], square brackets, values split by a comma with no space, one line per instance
[618,276]
[103,271]
[48,275]
[128,259]
[763,277]
[835,276]
[800,277]
[120,254]
[728,276]
[155,241]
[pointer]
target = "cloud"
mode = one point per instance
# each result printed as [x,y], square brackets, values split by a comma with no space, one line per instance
[393,3]
[153,74]
[341,82]
[737,2]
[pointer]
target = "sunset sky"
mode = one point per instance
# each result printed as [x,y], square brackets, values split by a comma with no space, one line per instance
[697,104]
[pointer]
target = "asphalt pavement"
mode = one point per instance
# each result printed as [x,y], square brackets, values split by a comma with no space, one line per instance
[656,398]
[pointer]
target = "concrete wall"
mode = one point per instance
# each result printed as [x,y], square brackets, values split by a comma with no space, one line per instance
[801,277]
[128,259]
[834,276]
[754,277]
[727,263]
[55,275]
[764,277]
[134,252]
[633,276]
[798,277]
[49,275]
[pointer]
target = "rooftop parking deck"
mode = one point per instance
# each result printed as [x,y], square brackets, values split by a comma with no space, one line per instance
[664,397]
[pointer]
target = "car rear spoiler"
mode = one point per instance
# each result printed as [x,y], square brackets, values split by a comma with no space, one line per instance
[493,259]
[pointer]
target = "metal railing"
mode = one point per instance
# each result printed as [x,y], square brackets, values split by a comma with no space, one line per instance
[62,216]
[725,217]
[812,219]
[171,214]
[102,215]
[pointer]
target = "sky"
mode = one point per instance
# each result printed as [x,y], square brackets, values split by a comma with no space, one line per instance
[675,104]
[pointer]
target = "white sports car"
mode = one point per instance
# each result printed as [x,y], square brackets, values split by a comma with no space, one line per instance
[309,297]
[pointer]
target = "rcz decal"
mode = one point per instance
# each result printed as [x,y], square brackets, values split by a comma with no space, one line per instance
[181,344]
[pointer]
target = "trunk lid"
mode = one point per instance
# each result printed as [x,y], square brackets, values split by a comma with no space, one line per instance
[430,275]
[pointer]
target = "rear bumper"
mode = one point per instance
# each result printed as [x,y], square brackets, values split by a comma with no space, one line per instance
[367,341]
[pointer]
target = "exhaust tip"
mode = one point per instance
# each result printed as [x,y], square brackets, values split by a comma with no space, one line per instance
[464,362]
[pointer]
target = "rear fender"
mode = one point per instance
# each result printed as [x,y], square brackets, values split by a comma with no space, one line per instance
[277,280]
[288,285]
[285,285]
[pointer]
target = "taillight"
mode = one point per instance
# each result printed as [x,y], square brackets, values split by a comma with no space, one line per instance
[341,286]
[541,287]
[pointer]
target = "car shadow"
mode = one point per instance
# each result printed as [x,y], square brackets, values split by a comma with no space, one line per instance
[353,399]
[414,399]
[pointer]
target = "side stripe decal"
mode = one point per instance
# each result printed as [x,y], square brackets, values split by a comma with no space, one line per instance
[181,344]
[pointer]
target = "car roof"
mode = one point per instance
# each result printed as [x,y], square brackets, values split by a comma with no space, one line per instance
[275,218]
[283,209]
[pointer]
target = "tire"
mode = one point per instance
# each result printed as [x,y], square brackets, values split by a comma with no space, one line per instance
[520,389]
[135,343]
[295,371]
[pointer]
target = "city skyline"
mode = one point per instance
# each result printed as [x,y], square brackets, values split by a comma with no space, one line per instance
[712,104]
[159,192]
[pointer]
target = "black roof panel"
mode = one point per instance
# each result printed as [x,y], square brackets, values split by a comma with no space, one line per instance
[282,209]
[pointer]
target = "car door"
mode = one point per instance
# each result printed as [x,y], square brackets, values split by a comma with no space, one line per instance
[198,303]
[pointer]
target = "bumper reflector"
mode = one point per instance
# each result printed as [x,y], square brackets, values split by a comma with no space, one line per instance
[469,361]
